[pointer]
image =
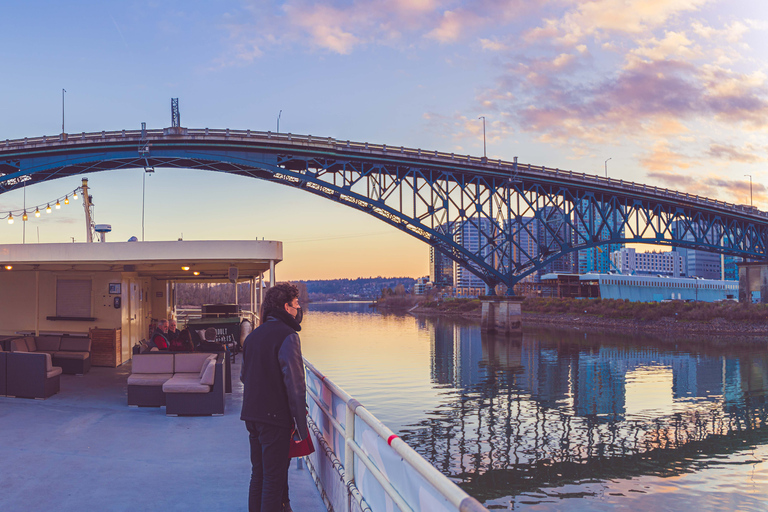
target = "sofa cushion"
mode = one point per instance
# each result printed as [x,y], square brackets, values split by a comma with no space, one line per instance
[152,363]
[148,379]
[190,363]
[75,344]
[185,383]
[54,371]
[205,365]
[209,373]
[47,343]
[72,355]
[19,345]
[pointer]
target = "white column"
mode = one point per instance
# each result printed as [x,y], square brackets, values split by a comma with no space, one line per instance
[272,273]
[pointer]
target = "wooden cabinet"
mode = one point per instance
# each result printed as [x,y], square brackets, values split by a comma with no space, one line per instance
[106,347]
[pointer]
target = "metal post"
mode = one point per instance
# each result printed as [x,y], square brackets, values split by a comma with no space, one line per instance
[271,273]
[349,437]
[606,168]
[278,120]
[143,193]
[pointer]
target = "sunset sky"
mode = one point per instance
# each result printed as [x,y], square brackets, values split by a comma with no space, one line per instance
[674,92]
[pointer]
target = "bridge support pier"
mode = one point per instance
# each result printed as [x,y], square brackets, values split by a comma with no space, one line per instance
[753,282]
[501,314]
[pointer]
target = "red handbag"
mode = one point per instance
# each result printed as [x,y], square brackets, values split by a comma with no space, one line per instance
[301,448]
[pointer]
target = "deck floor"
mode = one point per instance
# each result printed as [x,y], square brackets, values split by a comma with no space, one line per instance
[85,449]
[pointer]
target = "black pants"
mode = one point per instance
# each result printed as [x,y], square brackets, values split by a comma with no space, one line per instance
[269,460]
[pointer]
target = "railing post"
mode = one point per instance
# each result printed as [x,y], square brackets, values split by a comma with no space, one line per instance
[349,437]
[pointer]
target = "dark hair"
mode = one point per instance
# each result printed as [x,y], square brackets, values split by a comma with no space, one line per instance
[277,297]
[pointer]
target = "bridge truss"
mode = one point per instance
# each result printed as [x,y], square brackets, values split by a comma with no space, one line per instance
[502,221]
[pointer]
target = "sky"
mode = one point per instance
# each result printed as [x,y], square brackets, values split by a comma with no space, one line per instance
[671,93]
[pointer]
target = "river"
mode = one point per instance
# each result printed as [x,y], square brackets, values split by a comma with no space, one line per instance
[558,419]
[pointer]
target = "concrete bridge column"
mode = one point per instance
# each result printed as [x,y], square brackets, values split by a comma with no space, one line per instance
[501,314]
[753,277]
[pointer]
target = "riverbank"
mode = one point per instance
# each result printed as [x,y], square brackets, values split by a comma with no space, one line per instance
[678,318]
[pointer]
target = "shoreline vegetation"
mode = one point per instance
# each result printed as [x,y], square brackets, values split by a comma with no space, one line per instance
[677,317]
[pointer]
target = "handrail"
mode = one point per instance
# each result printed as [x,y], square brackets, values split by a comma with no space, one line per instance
[340,145]
[456,497]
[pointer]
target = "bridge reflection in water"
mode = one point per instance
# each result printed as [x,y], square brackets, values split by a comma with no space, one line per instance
[557,407]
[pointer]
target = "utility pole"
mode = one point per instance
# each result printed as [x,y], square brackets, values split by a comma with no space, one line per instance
[87,205]
[484,153]
[606,168]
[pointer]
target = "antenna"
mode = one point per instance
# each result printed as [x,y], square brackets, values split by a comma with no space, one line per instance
[175,115]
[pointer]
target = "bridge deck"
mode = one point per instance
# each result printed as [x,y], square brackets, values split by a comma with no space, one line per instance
[85,449]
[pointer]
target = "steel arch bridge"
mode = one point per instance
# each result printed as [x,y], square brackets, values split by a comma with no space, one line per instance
[500,220]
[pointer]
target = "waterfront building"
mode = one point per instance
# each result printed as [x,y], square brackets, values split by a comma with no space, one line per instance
[596,259]
[421,285]
[638,288]
[629,261]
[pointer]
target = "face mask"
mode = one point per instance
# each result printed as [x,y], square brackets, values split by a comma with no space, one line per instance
[299,315]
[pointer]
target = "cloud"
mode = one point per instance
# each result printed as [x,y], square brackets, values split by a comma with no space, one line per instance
[734,154]
[462,130]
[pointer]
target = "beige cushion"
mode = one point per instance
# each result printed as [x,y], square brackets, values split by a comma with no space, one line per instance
[48,362]
[189,363]
[152,363]
[185,383]
[75,344]
[19,345]
[30,341]
[205,365]
[209,374]
[73,355]
[53,372]
[148,379]
[48,343]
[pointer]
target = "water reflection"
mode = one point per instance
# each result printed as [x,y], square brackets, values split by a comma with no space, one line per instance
[554,407]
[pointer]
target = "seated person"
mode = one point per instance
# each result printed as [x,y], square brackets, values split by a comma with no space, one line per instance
[159,338]
[173,332]
[182,342]
[208,343]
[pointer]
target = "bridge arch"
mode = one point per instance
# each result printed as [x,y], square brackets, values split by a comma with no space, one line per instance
[500,220]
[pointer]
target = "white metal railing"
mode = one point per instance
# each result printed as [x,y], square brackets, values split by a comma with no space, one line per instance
[364,147]
[361,465]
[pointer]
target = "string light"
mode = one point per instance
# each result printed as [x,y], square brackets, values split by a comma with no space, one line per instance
[8,267]
[38,209]
[185,268]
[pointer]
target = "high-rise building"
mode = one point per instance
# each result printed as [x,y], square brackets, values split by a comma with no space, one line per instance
[629,261]
[551,230]
[596,259]
[697,263]
[476,236]
[440,265]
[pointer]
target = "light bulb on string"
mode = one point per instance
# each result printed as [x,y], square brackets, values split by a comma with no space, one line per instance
[37,212]
[66,199]
[58,205]
[48,208]
[74,195]
[24,216]
[10,218]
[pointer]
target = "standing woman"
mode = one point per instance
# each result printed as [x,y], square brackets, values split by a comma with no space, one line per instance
[274,395]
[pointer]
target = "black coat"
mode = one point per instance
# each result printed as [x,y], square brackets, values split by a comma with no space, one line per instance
[274,390]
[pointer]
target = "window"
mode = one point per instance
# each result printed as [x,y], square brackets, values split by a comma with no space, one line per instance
[73,298]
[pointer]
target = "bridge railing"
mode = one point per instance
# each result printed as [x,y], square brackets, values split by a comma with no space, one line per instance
[341,145]
[361,465]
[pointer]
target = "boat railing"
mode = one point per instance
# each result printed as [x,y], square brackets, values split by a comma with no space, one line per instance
[361,465]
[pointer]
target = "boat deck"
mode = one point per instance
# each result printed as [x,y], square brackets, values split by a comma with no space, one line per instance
[85,449]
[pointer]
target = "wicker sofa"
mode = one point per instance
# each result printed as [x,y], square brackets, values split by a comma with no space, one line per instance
[185,383]
[71,354]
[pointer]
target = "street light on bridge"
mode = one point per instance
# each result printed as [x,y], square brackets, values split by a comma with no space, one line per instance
[606,168]
[750,189]
[483,118]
